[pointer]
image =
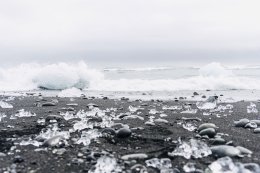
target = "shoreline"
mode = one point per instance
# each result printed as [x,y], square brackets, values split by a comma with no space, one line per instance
[153,140]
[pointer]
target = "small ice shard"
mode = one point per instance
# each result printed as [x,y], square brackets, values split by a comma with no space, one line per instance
[51,132]
[159,164]
[31,142]
[189,111]
[106,164]
[71,92]
[193,148]
[252,108]
[2,116]
[5,105]
[88,136]
[189,167]
[133,109]
[23,113]
[226,165]
[177,107]
[153,112]
[133,117]
[210,103]
[189,126]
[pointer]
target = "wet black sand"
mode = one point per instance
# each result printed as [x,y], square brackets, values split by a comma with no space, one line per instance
[150,140]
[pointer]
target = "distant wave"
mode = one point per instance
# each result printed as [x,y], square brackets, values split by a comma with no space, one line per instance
[138,69]
[61,76]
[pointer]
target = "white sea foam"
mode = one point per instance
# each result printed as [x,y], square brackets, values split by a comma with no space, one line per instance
[51,76]
[213,76]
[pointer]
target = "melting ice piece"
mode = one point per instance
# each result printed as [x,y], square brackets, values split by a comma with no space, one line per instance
[226,165]
[195,148]
[134,109]
[5,105]
[189,111]
[210,103]
[11,169]
[153,111]
[2,116]
[31,142]
[54,131]
[189,167]
[88,136]
[252,108]
[178,107]
[189,126]
[106,164]
[160,164]
[23,113]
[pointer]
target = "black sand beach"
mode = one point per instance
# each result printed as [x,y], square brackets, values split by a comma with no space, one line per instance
[154,141]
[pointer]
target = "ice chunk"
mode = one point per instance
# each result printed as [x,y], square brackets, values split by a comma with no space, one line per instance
[5,105]
[71,92]
[177,107]
[252,108]
[88,136]
[160,164]
[226,165]
[192,148]
[54,131]
[106,164]
[23,113]
[189,167]
[153,111]
[2,116]
[134,109]
[189,111]
[189,126]
[31,142]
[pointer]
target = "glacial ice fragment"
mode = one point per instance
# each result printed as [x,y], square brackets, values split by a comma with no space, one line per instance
[252,108]
[5,105]
[106,164]
[192,148]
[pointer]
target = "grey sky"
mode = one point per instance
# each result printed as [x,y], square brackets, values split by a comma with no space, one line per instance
[133,30]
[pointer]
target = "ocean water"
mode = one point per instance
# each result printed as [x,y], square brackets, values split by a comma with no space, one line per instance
[168,81]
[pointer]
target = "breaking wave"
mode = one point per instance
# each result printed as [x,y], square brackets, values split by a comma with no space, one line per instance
[61,76]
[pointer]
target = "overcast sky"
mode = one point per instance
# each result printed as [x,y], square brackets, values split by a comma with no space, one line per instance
[130,30]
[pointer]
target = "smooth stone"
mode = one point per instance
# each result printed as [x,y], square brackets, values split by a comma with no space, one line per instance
[206,126]
[251,125]
[95,119]
[92,105]
[256,121]
[48,104]
[54,117]
[241,122]
[54,141]
[257,130]
[134,156]
[148,123]
[217,141]
[195,94]
[18,159]
[210,132]
[225,150]
[108,131]
[160,120]
[2,154]
[124,133]
[244,150]
[72,104]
